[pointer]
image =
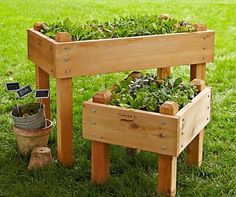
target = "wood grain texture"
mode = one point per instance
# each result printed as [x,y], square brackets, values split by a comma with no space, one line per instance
[123,54]
[163,72]
[167,165]
[169,107]
[131,128]
[198,71]
[63,37]
[194,117]
[41,51]
[42,82]
[195,148]
[100,161]
[167,168]
[199,84]
[64,121]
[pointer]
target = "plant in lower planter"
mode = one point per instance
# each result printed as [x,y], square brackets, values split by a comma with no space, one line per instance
[29,121]
[147,92]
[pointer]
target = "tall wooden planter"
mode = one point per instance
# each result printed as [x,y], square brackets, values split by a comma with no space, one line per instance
[64,59]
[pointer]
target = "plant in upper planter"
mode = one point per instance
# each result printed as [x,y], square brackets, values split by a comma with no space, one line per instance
[29,121]
[147,92]
[121,27]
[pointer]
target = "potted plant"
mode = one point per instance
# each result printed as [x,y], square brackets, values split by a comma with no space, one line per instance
[29,122]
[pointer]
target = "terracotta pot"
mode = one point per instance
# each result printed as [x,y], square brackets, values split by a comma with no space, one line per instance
[27,140]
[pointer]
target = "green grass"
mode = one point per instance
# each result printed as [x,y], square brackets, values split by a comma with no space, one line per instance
[129,176]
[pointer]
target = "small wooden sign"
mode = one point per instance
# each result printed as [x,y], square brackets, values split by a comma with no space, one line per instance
[12,86]
[42,93]
[26,90]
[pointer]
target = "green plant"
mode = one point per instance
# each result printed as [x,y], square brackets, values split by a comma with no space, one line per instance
[148,92]
[121,27]
[28,109]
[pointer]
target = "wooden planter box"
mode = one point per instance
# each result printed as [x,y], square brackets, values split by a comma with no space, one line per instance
[78,58]
[64,59]
[150,131]
[167,133]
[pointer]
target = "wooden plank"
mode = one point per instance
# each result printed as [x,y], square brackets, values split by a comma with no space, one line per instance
[100,151]
[167,168]
[41,51]
[193,118]
[64,121]
[114,125]
[42,82]
[122,54]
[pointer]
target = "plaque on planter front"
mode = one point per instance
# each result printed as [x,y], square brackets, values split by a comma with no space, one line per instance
[42,93]
[12,86]
[26,90]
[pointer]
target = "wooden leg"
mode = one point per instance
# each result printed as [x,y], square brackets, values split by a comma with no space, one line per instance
[42,82]
[65,121]
[163,72]
[167,168]
[198,71]
[100,162]
[195,148]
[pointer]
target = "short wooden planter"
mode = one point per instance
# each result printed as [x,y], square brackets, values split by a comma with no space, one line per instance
[167,133]
[64,59]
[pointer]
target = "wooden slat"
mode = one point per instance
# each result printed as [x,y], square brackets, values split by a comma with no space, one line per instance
[122,54]
[64,121]
[131,128]
[194,117]
[41,50]
[167,168]
[42,82]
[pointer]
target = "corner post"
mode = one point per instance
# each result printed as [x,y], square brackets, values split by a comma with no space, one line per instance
[195,148]
[42,79]
[64,113]
[42,82]
[167,165]
[100,160]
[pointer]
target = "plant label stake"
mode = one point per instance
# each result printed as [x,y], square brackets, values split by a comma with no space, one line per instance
[13,87]
[23,92]
[41,94]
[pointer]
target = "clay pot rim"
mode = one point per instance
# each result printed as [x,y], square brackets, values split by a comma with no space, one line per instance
[33,133]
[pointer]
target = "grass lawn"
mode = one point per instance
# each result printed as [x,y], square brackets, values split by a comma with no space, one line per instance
[130,176]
